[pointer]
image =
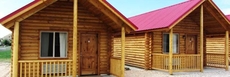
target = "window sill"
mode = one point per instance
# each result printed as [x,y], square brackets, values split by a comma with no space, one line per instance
[49,58]
[173,53]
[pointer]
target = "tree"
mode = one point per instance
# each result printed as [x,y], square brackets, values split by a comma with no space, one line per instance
[6,42]
[1,41]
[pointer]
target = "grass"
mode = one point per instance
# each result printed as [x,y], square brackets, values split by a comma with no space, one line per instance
[5,54]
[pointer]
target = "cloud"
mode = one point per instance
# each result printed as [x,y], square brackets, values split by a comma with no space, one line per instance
[4,31]
[226,11]
[1,15]
[225,2]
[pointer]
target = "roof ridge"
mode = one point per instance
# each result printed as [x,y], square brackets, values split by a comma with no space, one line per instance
[161,8]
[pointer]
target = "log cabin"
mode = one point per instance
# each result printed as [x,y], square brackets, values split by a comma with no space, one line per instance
[66,38]
[176,38]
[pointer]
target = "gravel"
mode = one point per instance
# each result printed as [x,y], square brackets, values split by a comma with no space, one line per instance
[4,69]
[208,72]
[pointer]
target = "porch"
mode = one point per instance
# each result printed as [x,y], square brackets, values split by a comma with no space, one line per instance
[180,62]
[137,72]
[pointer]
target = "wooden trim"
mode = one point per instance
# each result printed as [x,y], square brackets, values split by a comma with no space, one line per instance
[201,37]
[79,59]
[227,50]
[146,50]
[15,49]
[152,49]
[185,15]
[98,52]
[122,51]
[109,48]
[170,51]
[42,60]
[75,34]
[187,70]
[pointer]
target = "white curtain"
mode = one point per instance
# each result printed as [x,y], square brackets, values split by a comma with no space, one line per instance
[63,41]
[175,43]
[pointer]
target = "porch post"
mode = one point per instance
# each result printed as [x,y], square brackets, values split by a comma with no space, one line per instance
[75,54]
[201,38]
[226,49]
[123,51]
[170,51]
[15,49]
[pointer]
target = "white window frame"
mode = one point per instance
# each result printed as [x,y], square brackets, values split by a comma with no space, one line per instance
[54,43]
[178,42]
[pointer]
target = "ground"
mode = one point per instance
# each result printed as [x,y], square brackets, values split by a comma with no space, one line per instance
[4,69]
[5,55]
[136,72]
[208,72]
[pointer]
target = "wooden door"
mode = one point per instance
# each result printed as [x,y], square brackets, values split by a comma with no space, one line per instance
[88,54]
[191,44]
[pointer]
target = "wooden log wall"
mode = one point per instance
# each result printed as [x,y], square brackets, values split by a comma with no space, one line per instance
[137,49]
[185,27]
[60,18]
[215,45]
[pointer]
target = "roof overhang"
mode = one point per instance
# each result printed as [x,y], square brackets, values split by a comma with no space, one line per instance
[223,20]
[37,5]
[24,12]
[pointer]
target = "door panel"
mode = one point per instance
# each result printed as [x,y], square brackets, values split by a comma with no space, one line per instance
[191,44]
[88,54]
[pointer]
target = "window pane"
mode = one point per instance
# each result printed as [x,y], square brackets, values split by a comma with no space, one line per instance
[60,44]
[166,43]
[46,44]
[57,45]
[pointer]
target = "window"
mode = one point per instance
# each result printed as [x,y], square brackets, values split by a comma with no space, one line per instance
[53,44]
[166,43]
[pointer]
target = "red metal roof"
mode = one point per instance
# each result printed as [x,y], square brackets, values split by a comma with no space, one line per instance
[228,16]
[163,18]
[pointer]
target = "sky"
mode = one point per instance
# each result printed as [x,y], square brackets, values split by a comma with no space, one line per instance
[128,8]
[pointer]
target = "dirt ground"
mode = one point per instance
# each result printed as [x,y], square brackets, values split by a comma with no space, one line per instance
[136,72]
[4,69]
